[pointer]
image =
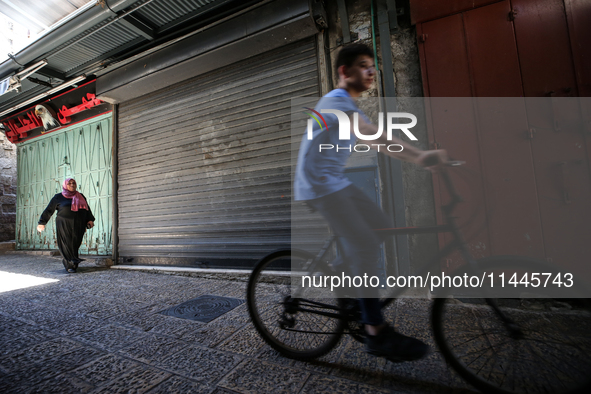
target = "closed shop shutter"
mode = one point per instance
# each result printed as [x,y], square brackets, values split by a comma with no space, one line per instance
[204,165]
[81,151]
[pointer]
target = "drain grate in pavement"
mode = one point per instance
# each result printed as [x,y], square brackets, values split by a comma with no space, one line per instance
[204,308]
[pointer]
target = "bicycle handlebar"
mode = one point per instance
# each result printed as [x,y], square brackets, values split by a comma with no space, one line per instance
[455,197]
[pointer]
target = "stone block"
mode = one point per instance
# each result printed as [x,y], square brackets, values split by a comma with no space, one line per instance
[4,246]
[80,356]
[272,356]
[40,353]
[7,164]
[18,340]
[203,365]
[115,308]
[63,383]
[111,337]
[246,341]
[153,347]
[104,369]
[355,364]
[413,318]
[260,377]
[429,375]
[140,319]
[8,199]
[6,180]
[19,383]
[68,324]
[8,208]
[7,231]
[179,385]
[140,378]
[177,328]
[325,384]
[103,262]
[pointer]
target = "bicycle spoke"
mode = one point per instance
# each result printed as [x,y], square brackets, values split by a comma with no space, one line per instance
[477,352]
[506,370]
[297,327]
[546,376]
[543,359]
[469,340]
[546,354]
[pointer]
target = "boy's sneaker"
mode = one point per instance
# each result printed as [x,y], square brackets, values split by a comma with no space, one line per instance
[395,347]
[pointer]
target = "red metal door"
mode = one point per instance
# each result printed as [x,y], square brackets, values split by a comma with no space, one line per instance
[505,150]
[558,143]
[539,187]
[578,15]
[453,125]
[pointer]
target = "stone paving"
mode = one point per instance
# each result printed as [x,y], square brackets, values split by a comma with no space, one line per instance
[100,331]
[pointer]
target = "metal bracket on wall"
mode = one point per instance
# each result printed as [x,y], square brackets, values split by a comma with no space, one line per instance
[393,15]
[344,21]
[512,14]
[319,14]
[349,36]
[354,37]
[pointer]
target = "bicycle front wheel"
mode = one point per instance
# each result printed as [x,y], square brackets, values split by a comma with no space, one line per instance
[516,345]
[299,327]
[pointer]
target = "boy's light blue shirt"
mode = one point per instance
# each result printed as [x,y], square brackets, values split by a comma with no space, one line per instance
[321,173]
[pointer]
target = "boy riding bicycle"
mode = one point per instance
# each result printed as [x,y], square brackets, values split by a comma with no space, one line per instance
[320,182]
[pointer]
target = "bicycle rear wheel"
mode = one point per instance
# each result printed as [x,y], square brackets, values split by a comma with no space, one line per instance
[547,349]
[277,315]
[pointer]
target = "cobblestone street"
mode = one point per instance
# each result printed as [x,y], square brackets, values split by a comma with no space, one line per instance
[100,331]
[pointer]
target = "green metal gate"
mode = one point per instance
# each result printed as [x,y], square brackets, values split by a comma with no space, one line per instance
[83,152]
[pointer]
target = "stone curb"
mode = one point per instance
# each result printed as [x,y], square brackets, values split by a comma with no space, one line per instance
[97,260]
[7,246]
[51,253]
[207,273]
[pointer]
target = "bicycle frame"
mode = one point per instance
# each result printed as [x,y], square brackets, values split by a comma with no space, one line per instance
[457,243]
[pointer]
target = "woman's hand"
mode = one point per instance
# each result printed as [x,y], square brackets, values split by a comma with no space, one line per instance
[40,228]
[90,224]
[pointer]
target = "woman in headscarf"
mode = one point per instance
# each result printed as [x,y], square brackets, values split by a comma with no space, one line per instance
[72,220]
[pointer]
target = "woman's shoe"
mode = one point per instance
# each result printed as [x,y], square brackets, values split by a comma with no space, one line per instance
[71,271]
[67,264]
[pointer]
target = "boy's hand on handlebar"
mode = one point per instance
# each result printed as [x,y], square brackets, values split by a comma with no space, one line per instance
[431,159]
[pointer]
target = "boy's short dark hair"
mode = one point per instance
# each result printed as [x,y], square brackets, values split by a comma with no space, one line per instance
[349,53]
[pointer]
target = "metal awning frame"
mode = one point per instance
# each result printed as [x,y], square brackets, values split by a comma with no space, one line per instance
[14,82]
[88,21]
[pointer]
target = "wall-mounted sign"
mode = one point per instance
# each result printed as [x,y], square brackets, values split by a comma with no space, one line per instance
[74,105]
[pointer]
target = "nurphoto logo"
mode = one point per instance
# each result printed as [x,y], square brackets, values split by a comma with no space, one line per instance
[345,129]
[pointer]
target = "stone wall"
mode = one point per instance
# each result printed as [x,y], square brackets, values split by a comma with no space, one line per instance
[7,189]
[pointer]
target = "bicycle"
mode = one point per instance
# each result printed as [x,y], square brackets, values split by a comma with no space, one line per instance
[493,344]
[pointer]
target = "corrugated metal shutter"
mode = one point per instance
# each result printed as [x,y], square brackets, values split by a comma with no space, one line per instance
[204,166]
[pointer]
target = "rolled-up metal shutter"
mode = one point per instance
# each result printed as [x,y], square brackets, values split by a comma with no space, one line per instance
[204,165]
